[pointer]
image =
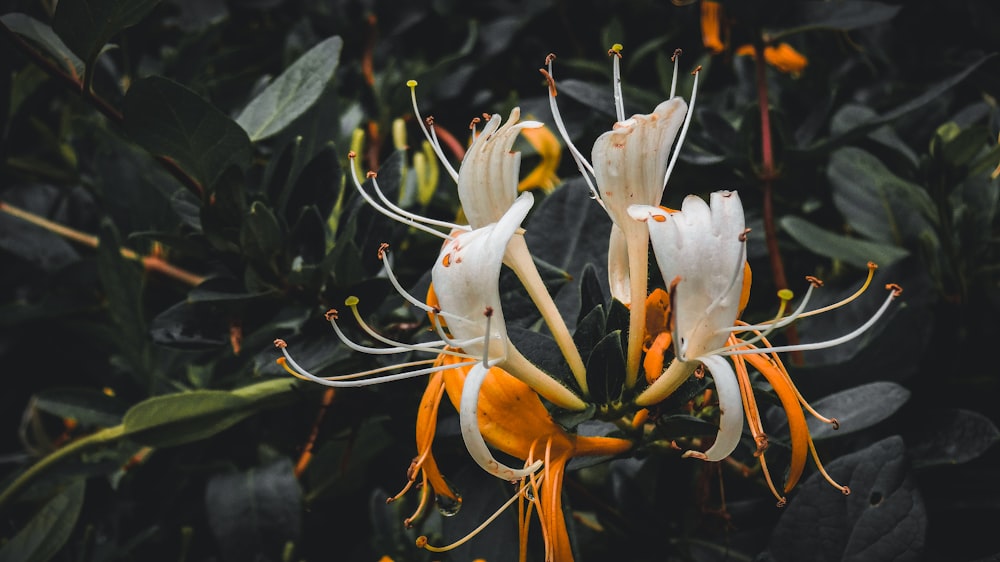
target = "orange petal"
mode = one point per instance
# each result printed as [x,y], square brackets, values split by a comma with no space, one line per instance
[710,16]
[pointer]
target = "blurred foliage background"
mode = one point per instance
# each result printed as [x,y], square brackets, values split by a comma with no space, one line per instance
[172,178]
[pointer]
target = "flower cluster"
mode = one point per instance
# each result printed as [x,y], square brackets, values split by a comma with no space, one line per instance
[684,323]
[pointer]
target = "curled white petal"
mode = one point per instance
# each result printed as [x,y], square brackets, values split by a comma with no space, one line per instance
[474,442]
[730,407]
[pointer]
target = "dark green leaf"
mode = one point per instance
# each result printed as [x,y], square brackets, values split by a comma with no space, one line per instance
[960,146]
[87,25]
[843,15]
[170,120]
[40,33]
[252,514]
[876,202]
[48,530]
[85,405]
[952,436]
[590,330]
[682,425]
[606,369]
[882,519]
[190,325]
[261,236]
[835,246]
[857,408]
[123,287]
[293,92]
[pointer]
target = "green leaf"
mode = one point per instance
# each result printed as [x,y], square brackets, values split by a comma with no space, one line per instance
[606,369]
[293,92]
[857,408]
[876,202]
[85,405]
[261,235]
[45,534]
[952,436]
[835,246]
[170,120]
[883,518]
[123,287]
[253,513]
[175,419]
[86,26]
[45,37]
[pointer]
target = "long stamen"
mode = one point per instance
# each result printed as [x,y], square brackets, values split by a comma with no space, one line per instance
[422,540]
[401,211]
[815,455]
[331,316]
[749,404]
[894,291]
[616,53]
[434,346]
[431,138]
[360,374]
[872,266]
[675,58]
[302,373]
[425,496]
[586,170]
[770,484]
[785,296]
[684,127]
[378,207]
[775,360]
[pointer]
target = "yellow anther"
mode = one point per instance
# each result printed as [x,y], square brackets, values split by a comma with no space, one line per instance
[617,48]
[351,301]
[786,294]
[411,83]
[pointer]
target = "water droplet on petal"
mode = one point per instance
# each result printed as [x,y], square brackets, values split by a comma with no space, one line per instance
[448,506]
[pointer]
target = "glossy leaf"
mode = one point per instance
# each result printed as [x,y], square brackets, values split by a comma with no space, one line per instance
[87,25]
[857,408]
[85,405]
[293,92]
[883,518]
[952,436]
[40,33]
[254,513]
[169,120]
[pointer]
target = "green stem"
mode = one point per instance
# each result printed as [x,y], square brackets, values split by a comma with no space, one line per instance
[94,440]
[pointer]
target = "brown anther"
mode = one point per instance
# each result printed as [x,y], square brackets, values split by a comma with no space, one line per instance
[486,116]
[872,265]
[782,502]
[331,314]
[371,174]
[280,343]
[677,53]
[389,500]
[614,53]
[408,524]
[835,423]
[549,58]
[429,120]
[381,250]
[475,121]
[421,541]
[488,312]
[814,281]
[352,155]
[762,444]
[846,491]
[550,80]
[436,309]
[896,289]
[696,70]
[743,235]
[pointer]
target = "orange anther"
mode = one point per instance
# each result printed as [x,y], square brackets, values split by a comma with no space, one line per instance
[280,343]
[381,250]
[331,314]
[896,289]
[677,53]
[371,174]
[814,281]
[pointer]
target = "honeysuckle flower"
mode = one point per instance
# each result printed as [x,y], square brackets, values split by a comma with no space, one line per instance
[701,254]
[630,167]
[531,434]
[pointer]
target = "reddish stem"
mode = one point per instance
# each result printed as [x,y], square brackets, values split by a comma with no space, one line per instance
[767,175]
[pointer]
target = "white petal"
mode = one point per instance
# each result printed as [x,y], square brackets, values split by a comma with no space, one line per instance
[631,159]
[466,278]
[730,406]
[618,273]
[474,442]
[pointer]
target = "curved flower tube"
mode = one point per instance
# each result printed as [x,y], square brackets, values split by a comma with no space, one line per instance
[631,166]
